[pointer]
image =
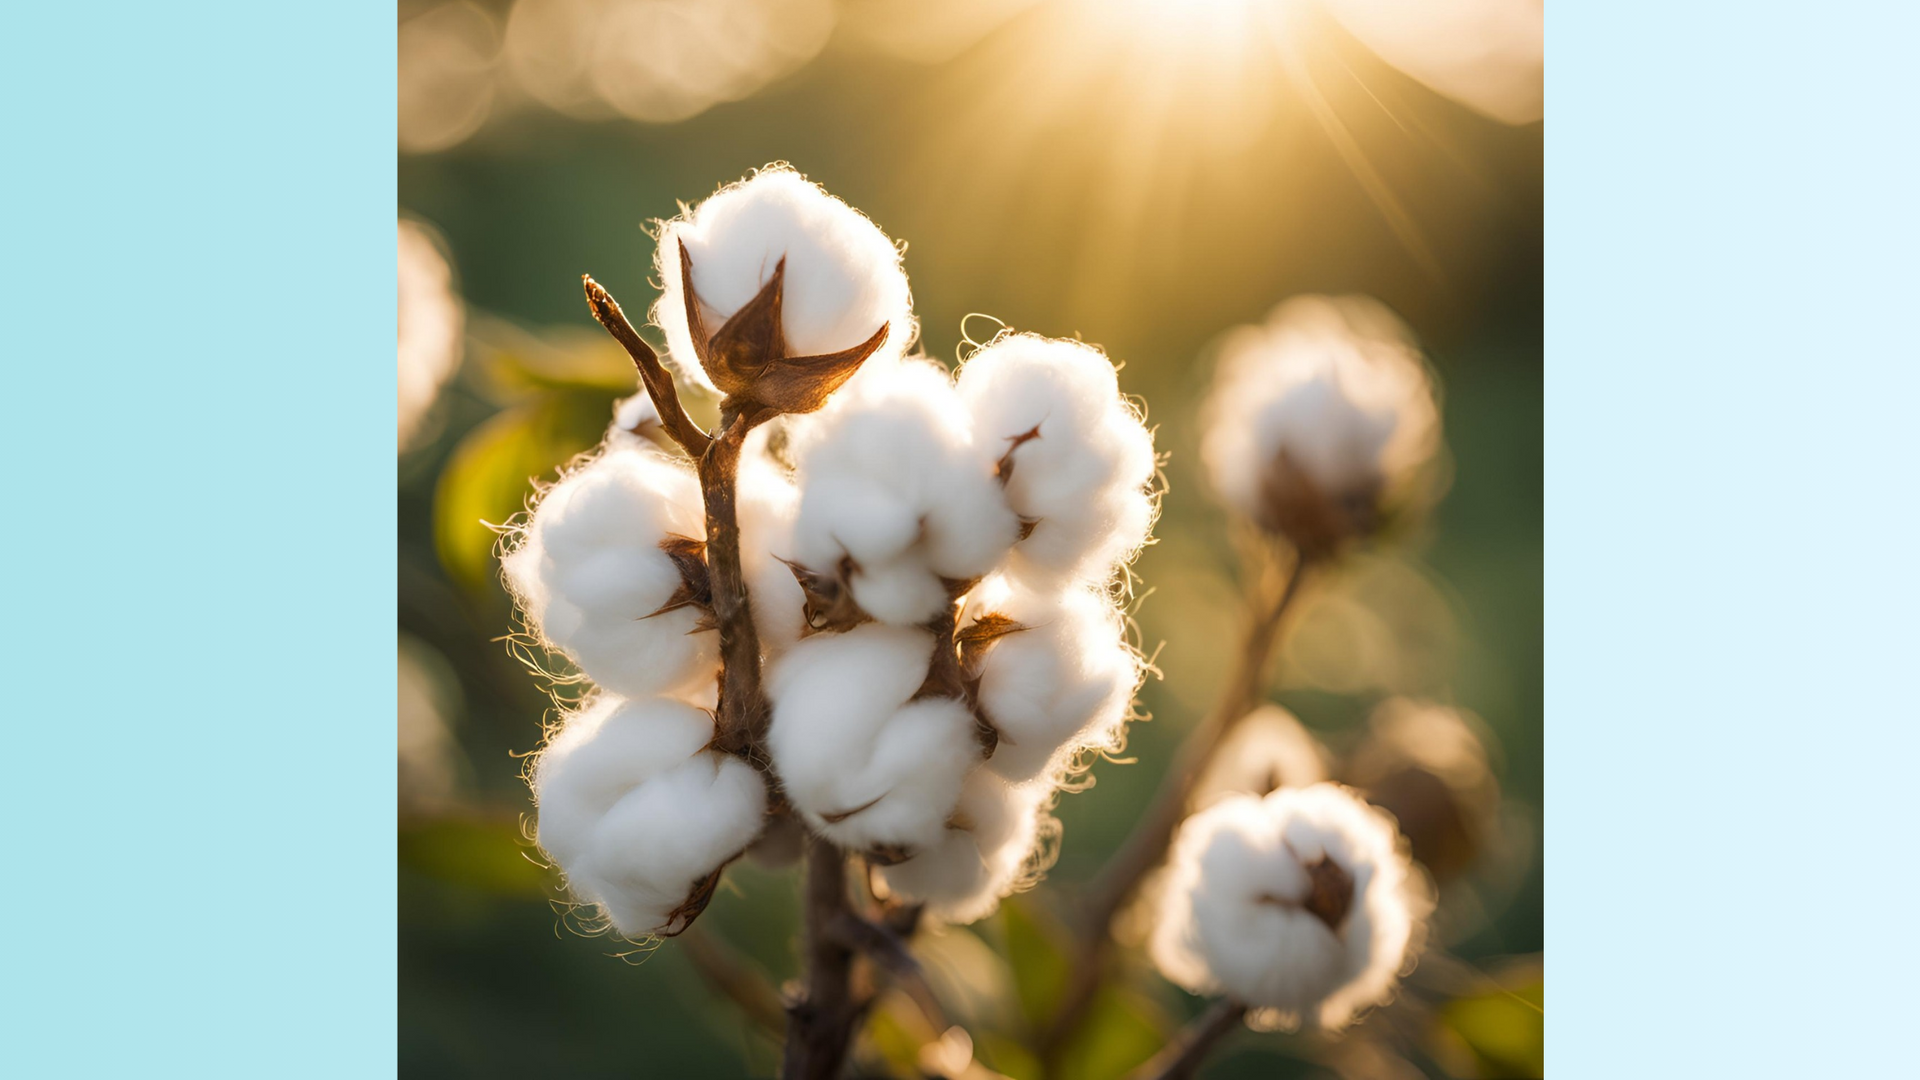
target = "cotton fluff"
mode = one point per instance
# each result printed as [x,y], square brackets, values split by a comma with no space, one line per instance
[843,276]
[1082,462]
[638,813]
[1060,684]
[984,854]
[867,766]
[1267,750]
[1234,916]
[589,573]
[1331,391]
[892,479]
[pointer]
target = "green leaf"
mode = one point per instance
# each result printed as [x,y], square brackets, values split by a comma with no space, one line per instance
[487,854]
[490,476]
[1504,1029]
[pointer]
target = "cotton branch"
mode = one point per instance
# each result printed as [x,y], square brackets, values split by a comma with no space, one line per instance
[1146,846]
[658,381]
[821,1024]
[1183,1056]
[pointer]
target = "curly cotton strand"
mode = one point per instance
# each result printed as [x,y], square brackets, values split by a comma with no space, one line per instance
[638,814]
[892,480]
[1082,464]
[589,573]
[1328,401]
[982,856]
[1061,684]
[867,766]
[1246,905]
[843,276]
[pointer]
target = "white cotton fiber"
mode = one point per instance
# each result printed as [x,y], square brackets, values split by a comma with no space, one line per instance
[1082,462]
[868,767]
[891,478]
[637,813]
[1337,386]
[768,504]
[589,573]
[1063,684]
[1235,913]
[843,276]
[985,854]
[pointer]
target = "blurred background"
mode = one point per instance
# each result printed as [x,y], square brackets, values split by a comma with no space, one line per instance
[1143,174]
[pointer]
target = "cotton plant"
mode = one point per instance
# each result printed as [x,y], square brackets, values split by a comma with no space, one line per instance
[874,620]
[876,607]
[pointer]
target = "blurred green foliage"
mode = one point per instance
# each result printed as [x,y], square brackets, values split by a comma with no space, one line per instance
[497,980]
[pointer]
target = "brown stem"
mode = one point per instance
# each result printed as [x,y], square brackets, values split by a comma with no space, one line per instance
[659,384]
[742,715]
[1182,1057]
[820,1025]
[733,975]
[887,949]
[1146,846]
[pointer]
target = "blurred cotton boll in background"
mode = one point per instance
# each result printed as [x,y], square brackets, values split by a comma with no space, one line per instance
[1427,765]
[432,322]
[1321,419]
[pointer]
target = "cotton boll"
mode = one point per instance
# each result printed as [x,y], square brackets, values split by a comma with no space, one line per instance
[1060,684]
[589,573]
[1320,419]
[867,766]
[1081,462]
[638,814]
[982,856]
[1302,904]
[896,496]
[1427,765]
[635,423]
[843,277]
[1267,750]
[768,505]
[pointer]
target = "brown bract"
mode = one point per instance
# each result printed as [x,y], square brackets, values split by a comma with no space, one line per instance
[747,358]
[1316,520]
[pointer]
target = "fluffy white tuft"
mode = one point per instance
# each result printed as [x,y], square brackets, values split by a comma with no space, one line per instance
[1084,477]
[768,505]
[1061,685]
[589,573]
[864,763]
[1337,385]
[636,812]
[843,276]
[984,855]
[1232,919]
[891,478]
[1267,750]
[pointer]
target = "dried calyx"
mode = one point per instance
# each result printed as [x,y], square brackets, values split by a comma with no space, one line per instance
[747,357]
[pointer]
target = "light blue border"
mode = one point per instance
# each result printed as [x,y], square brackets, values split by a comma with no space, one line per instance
[1733,594]
[197,277]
